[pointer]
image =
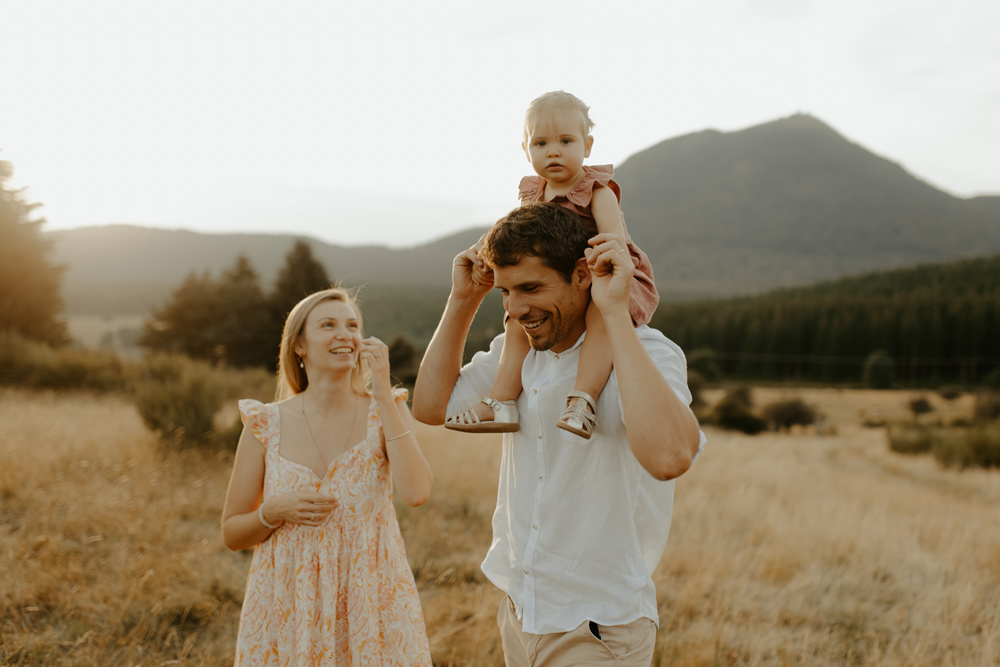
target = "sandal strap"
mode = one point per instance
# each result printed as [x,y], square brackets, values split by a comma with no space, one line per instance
[585,396]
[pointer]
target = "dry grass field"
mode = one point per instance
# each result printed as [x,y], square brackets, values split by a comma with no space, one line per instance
[786,549]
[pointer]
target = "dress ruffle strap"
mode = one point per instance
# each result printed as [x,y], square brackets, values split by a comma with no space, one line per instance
[255,415]
[596,176]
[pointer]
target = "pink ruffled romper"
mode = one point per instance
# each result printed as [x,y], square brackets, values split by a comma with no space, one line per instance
[643,296]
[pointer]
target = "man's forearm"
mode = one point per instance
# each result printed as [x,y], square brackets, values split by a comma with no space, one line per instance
[442,361]
[662,431]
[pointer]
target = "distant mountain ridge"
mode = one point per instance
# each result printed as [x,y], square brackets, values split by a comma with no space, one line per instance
[785,203]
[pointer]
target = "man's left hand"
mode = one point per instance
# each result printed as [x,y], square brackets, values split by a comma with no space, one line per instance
[611,270]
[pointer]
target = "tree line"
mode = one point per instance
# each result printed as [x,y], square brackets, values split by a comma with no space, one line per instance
[934,323]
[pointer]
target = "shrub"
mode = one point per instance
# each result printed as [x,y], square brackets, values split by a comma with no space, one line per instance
[696,383]
[178,398]
[32,364]
[987,406]
[920,406]
[950,392]
[911,439]
[971,447]
[733,412]
[879,371]
[789,412]
[704,362]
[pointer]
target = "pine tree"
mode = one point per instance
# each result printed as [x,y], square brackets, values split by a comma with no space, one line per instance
[301,275]
[30,302]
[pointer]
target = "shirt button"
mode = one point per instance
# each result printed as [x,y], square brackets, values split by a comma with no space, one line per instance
[539,478]
[535,526]
[534,391]
[539,436]
[526,571]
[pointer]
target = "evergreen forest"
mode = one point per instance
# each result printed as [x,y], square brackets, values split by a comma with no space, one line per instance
[935,323]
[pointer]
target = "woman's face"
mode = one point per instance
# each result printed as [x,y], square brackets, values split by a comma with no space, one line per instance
[331,337]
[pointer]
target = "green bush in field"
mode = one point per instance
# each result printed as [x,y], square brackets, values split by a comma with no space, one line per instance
[919,406]
[911,439]
[880,371]
[734,412]
[987,406]
[785,413]
[28,363]
[704,361]
[978,446]
[178,397]
[950,392]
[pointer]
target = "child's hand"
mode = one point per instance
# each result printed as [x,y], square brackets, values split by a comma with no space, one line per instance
[482,274]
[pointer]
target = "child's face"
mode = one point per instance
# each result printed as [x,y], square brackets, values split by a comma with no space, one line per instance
[557,146]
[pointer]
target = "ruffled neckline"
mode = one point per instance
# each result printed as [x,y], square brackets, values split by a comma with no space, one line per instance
[532,188]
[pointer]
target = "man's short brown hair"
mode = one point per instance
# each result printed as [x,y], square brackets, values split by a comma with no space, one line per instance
[545,230]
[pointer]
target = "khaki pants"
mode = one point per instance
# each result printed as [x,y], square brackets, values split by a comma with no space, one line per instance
[628,645]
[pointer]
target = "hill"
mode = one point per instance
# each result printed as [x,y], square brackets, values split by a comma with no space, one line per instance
[788,203]
[785,203]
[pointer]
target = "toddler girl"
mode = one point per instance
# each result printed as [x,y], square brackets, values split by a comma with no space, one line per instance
[557,138]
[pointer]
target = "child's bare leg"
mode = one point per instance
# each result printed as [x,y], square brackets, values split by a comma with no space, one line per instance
[507,385]
[593,369]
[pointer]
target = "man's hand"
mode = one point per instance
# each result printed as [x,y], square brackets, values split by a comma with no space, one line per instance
[611,271]
[471,278]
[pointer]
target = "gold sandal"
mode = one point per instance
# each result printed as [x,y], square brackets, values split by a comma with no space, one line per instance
[577,418]
[505,418]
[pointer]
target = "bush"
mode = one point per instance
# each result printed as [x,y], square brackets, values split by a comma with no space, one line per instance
[790,412]
[28,363]
[987,406]
[950,392]
[911,439]
[696,383]
[920,406]
[178,398]
[733,412]
[879,371]
[971,447]
[703,361]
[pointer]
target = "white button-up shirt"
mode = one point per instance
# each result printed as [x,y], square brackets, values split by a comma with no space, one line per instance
[579,525]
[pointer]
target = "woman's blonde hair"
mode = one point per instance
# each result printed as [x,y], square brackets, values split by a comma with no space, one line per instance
[292,378]
[557,99]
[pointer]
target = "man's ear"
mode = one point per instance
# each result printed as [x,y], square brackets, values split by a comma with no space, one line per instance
[581,274]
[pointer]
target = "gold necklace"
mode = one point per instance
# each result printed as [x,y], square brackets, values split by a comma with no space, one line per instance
[354,420]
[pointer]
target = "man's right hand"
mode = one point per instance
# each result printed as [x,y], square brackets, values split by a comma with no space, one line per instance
[471,278]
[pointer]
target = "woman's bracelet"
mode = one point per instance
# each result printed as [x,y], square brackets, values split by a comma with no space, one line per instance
[260,515]
[397,437]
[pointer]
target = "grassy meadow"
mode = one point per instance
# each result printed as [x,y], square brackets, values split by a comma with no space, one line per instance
[786,549]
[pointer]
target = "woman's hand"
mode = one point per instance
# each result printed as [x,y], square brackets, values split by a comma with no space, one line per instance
[376,353]
[306,508]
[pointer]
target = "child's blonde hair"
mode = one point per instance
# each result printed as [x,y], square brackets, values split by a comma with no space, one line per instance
[557,99]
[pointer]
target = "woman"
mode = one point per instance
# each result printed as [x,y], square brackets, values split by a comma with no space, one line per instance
[311,490]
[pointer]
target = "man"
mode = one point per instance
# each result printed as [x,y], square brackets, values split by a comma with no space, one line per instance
[580,524]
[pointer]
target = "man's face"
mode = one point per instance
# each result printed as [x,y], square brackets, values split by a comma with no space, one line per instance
[551,310]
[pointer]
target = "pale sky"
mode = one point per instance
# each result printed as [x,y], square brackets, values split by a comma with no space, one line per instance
[397,122]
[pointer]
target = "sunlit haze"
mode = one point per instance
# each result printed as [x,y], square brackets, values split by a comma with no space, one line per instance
[399,122]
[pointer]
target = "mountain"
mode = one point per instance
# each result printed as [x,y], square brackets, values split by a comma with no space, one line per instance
[786,203]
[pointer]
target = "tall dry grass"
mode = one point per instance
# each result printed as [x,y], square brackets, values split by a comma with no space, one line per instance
[786,549]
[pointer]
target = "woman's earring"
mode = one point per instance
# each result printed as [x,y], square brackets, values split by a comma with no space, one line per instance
[301,365]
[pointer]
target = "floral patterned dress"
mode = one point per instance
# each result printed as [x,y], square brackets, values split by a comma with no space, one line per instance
[337,594]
